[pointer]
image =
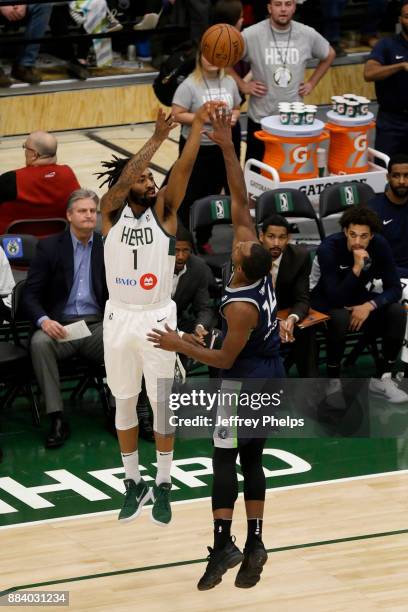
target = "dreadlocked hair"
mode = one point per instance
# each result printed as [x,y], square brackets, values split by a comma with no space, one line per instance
[114,169]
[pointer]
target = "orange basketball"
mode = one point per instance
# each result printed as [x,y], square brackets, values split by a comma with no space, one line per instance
[222,45]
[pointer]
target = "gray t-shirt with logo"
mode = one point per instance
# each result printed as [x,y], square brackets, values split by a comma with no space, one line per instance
[292,49]
[193,93]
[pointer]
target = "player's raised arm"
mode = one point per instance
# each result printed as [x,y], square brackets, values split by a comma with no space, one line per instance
[119,187]
[182,169]
[221,134]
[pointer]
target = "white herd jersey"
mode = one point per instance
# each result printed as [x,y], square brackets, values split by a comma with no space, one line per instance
[139,259]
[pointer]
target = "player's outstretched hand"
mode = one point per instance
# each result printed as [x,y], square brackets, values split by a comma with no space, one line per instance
[221,126]
[168,340]
[202,114]
[164,125]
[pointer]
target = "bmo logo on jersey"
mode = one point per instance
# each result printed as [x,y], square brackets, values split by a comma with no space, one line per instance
[126,282]
[148,281]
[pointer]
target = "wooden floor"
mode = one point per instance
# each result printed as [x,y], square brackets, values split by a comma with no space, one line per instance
[333,548]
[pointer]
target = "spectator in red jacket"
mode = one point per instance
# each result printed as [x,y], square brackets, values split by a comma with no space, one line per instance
[40,189]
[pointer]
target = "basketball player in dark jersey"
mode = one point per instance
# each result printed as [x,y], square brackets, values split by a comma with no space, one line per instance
[250,349]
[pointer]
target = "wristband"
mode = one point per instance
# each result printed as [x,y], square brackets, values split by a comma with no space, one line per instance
[373,304]
[180,333]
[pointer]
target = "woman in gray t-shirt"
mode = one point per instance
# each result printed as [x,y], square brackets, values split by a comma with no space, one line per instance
[205,83]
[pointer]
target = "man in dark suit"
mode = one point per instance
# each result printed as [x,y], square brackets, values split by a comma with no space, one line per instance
[191,281]
[290,275]
[66,283]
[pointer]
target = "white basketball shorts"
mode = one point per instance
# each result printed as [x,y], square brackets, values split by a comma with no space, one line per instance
[128,353]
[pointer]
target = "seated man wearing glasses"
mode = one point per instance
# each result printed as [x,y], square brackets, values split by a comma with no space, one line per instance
[39,190]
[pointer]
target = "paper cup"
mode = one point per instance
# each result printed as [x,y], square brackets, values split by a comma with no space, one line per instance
[285,117]
[352,108]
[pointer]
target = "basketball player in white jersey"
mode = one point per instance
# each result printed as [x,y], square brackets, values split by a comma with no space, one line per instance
[140,226]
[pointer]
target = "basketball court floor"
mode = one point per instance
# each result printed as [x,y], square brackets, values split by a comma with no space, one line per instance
[336,515]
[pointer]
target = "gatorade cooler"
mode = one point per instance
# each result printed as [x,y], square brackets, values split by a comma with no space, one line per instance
[291,149]
[348,143]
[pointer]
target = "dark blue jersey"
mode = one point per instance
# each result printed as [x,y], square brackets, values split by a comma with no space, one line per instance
[263,342]
[338,286]
[394,219]
[392,92]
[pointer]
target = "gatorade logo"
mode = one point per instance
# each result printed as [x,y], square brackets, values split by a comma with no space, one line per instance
[360,143]
[301,155]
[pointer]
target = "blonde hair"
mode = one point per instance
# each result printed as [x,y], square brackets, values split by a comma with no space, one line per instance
[198,72]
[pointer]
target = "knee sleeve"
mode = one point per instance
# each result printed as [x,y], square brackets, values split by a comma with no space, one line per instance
[225,480]
[252,470]
[126,417]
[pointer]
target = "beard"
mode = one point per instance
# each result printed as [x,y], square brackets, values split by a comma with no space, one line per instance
[404,28]
[399,192]
[146,200]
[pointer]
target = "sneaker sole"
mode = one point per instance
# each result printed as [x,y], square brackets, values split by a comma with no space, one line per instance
[390,401]
[155,521]
[159,523]
[228,564]
[254,572]
[134,516]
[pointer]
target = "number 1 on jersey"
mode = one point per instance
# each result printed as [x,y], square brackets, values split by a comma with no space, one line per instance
[134,259]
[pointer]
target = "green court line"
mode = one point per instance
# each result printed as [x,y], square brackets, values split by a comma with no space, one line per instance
[148,568]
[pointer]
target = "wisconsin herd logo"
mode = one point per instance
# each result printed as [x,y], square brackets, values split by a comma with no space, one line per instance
[148,281]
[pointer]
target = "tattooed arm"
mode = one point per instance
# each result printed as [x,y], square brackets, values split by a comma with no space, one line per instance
[114,198]
[181,171]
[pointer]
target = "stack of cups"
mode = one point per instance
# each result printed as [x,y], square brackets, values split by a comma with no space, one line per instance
[350,105]
[285,112]
[296,113]
[310,114]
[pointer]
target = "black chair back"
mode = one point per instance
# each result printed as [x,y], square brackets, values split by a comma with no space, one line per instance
[336,198]
[42,228]
[290,203]
[209,211]
[212,211]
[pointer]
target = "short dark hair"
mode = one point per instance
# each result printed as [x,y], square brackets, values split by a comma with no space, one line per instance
[227,11]
[183,234]
[277,220]
[257,264]
[398,158]
[360,215]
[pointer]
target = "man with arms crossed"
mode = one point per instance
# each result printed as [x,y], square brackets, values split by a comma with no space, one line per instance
[277,50]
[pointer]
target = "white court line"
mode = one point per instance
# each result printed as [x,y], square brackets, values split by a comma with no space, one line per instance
[319,483]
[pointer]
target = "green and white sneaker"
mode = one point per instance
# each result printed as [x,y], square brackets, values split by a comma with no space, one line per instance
[136,496]
[161,509]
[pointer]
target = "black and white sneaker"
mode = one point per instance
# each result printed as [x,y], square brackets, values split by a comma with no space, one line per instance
[251,568]
[219,561]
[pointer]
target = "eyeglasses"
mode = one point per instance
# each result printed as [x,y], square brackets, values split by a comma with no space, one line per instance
[29,148]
